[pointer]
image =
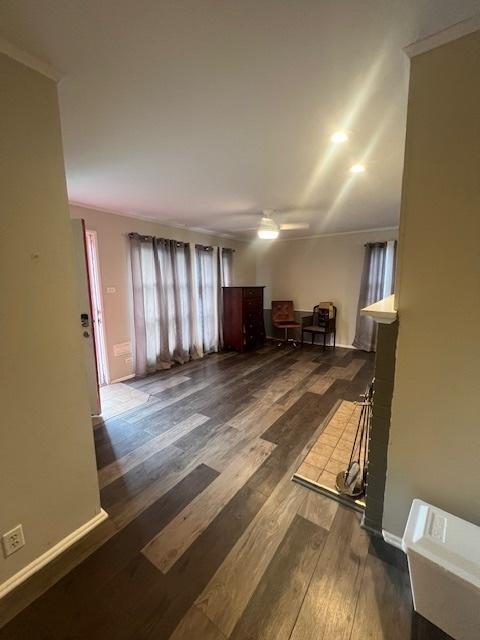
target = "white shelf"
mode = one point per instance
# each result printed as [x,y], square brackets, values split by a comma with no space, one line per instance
[382,311]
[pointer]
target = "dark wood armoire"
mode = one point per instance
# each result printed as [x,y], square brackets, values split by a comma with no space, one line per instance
[243,325]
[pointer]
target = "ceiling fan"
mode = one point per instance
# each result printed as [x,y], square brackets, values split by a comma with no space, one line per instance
[269,229]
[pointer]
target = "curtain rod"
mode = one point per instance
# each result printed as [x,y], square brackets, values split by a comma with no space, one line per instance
[379,244]
[179,243]
[207,247]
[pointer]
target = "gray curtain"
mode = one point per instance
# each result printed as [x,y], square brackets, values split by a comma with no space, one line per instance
[176,300]
[373,287]
[163,283]
[144,343]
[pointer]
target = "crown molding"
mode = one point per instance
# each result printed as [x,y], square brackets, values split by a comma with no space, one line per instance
[338,233]
[135,216]
[16,53]
[219,234]
[444,36]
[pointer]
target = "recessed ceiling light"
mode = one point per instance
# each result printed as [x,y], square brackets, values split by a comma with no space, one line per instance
[357,168]
[339,136]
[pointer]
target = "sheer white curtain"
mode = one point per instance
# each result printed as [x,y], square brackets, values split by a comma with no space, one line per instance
[226,267]
[177,300]
[163,295]
[208,307]
[195,306]
[174,291]
[214,271]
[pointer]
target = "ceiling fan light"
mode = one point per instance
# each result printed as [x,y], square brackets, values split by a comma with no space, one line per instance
[268,234]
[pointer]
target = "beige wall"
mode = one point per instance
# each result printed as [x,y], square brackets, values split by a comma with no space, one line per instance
[434,449]
[312,270]
[112,231]
[307,271]
[47,461]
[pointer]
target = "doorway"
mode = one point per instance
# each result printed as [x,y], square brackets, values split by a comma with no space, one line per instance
[97,305]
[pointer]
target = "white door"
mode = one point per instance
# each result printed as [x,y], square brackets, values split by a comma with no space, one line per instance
[96,304]
[85,324]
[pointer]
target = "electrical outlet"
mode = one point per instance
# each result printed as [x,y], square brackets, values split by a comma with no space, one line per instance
[13,540]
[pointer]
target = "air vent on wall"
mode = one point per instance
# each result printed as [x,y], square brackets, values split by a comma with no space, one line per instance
[122,349]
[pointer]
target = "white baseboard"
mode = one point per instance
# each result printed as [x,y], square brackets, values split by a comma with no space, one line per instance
[392,539]
[52,553]
[129,377]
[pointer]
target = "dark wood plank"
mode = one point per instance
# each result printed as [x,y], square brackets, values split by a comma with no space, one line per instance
[142,604]
[302,419]
[174,539]
[384,604]
[196,625]
[228,593]
[273,608]
[131,484]
[202,435]
[293,394]
[319,509]
[112,430]
[108,452]
[123,464]
[423,629]
[328,610]
[52,615]
[117,593]
[223,395]
[194,369]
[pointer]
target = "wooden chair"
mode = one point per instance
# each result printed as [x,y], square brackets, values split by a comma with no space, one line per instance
[283,317]
[323,321]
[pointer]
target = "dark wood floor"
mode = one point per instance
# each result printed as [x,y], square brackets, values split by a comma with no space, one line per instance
[208,537]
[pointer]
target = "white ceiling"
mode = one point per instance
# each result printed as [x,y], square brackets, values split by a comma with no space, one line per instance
[204,112]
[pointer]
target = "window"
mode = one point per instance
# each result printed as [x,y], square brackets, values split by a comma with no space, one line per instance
[207,287]
[177,296]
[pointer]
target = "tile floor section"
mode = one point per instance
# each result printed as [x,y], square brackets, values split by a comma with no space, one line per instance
[118,398]
[331,452]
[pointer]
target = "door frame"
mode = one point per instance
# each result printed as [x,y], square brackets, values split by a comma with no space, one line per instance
[95,292]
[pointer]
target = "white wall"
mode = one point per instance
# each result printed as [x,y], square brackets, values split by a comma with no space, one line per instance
[434,446]
[317,269]
[47,460]
[112,233]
